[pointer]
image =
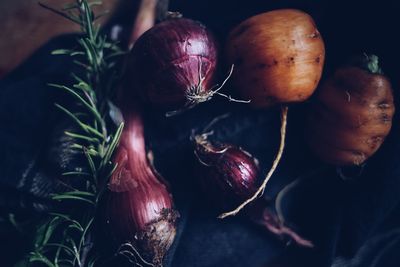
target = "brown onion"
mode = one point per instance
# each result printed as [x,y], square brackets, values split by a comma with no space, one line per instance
[278,57]
[352,113]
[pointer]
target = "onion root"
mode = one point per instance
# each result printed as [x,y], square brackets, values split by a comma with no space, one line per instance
[278,157]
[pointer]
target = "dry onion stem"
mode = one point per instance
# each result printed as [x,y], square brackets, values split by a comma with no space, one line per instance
[260,191]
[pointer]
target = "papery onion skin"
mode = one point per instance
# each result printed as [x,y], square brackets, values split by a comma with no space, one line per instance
[228,175]
[278,57]
[228,172]
[138,207]
[174,64]
[351,115]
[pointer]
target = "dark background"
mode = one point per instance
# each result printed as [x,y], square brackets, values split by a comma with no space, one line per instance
[353,223]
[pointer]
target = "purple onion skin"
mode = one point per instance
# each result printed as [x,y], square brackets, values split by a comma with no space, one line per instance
[228,173]
[169,61]
[138,207]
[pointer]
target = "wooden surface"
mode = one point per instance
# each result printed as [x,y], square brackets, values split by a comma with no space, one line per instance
[27,26]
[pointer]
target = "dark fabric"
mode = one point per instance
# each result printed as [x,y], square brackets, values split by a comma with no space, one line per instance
[27,116]
[353,223]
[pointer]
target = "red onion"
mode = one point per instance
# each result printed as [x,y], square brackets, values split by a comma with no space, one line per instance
[229,170]
[174,64]
[138,207]
[230,175]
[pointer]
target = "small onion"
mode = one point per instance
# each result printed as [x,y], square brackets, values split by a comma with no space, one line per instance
[229,175]
[138,208]
[228,170]
[174,64]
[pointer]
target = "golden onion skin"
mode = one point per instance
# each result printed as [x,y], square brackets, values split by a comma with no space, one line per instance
[278,57]
[351,117]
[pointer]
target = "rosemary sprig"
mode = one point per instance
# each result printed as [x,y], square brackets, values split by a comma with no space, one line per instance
[64,239]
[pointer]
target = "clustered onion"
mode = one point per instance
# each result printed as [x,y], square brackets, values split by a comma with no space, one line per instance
[277,58]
